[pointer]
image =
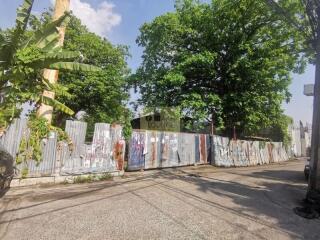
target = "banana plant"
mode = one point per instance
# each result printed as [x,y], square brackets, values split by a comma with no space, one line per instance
[23,56]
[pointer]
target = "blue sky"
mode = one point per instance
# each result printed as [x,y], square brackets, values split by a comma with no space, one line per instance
[119,21]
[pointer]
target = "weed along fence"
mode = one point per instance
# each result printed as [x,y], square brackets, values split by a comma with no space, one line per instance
[152,149]
[104,154]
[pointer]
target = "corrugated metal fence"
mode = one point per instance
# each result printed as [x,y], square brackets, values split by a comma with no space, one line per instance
[147,150]
[105,154]
[230,153]
[300,139]
[153,149]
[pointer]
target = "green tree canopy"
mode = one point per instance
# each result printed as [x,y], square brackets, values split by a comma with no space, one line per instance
[103,95]
[229,61]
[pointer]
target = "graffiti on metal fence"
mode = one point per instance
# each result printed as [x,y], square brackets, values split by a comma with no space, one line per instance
[152,149]
[239,153]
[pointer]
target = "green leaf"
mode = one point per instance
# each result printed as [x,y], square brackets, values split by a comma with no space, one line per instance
[56,104]
[47,38]
[45,60]
[23,14]
[74,67]
[222,61]
[64,55]
[57,88]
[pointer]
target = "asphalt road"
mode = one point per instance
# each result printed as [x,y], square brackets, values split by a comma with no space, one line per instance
[186,203]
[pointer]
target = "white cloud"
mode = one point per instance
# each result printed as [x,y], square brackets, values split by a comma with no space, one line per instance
[99,20]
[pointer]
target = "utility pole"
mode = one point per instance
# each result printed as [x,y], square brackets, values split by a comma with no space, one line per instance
[61,6]
[312,10]
[314,179]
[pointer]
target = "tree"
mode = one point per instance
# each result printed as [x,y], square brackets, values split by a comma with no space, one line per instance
[45,111]
[227,62]
[304,15]
[103,95]
[23,56]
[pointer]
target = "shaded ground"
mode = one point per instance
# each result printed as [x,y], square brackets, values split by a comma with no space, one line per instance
[184,203]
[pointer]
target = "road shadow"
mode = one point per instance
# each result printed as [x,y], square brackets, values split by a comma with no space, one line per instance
[276,193]
[281,175]
[279,191]
[70,192]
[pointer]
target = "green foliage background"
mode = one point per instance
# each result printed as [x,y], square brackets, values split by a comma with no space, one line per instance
[229,61]
[103,95]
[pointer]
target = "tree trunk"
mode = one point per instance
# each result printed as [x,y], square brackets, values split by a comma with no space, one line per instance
[44,110]
[213,127]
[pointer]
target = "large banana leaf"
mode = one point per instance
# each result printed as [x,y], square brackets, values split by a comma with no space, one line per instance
[23,14]
[6,48]
[56,88]
[56,104]
[49,35]
[64,55]
[74,67]
[45,60]
[12,43]
[49,42]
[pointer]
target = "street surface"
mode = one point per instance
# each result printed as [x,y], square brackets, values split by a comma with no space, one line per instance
[201,202]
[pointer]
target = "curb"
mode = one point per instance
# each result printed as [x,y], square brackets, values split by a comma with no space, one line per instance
[56,179]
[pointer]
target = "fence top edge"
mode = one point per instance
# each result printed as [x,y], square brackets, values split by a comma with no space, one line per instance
[230,139]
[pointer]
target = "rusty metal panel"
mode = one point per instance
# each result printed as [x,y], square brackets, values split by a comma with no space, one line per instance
[152,150]
[203,149]
[200,148]
[117,148]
